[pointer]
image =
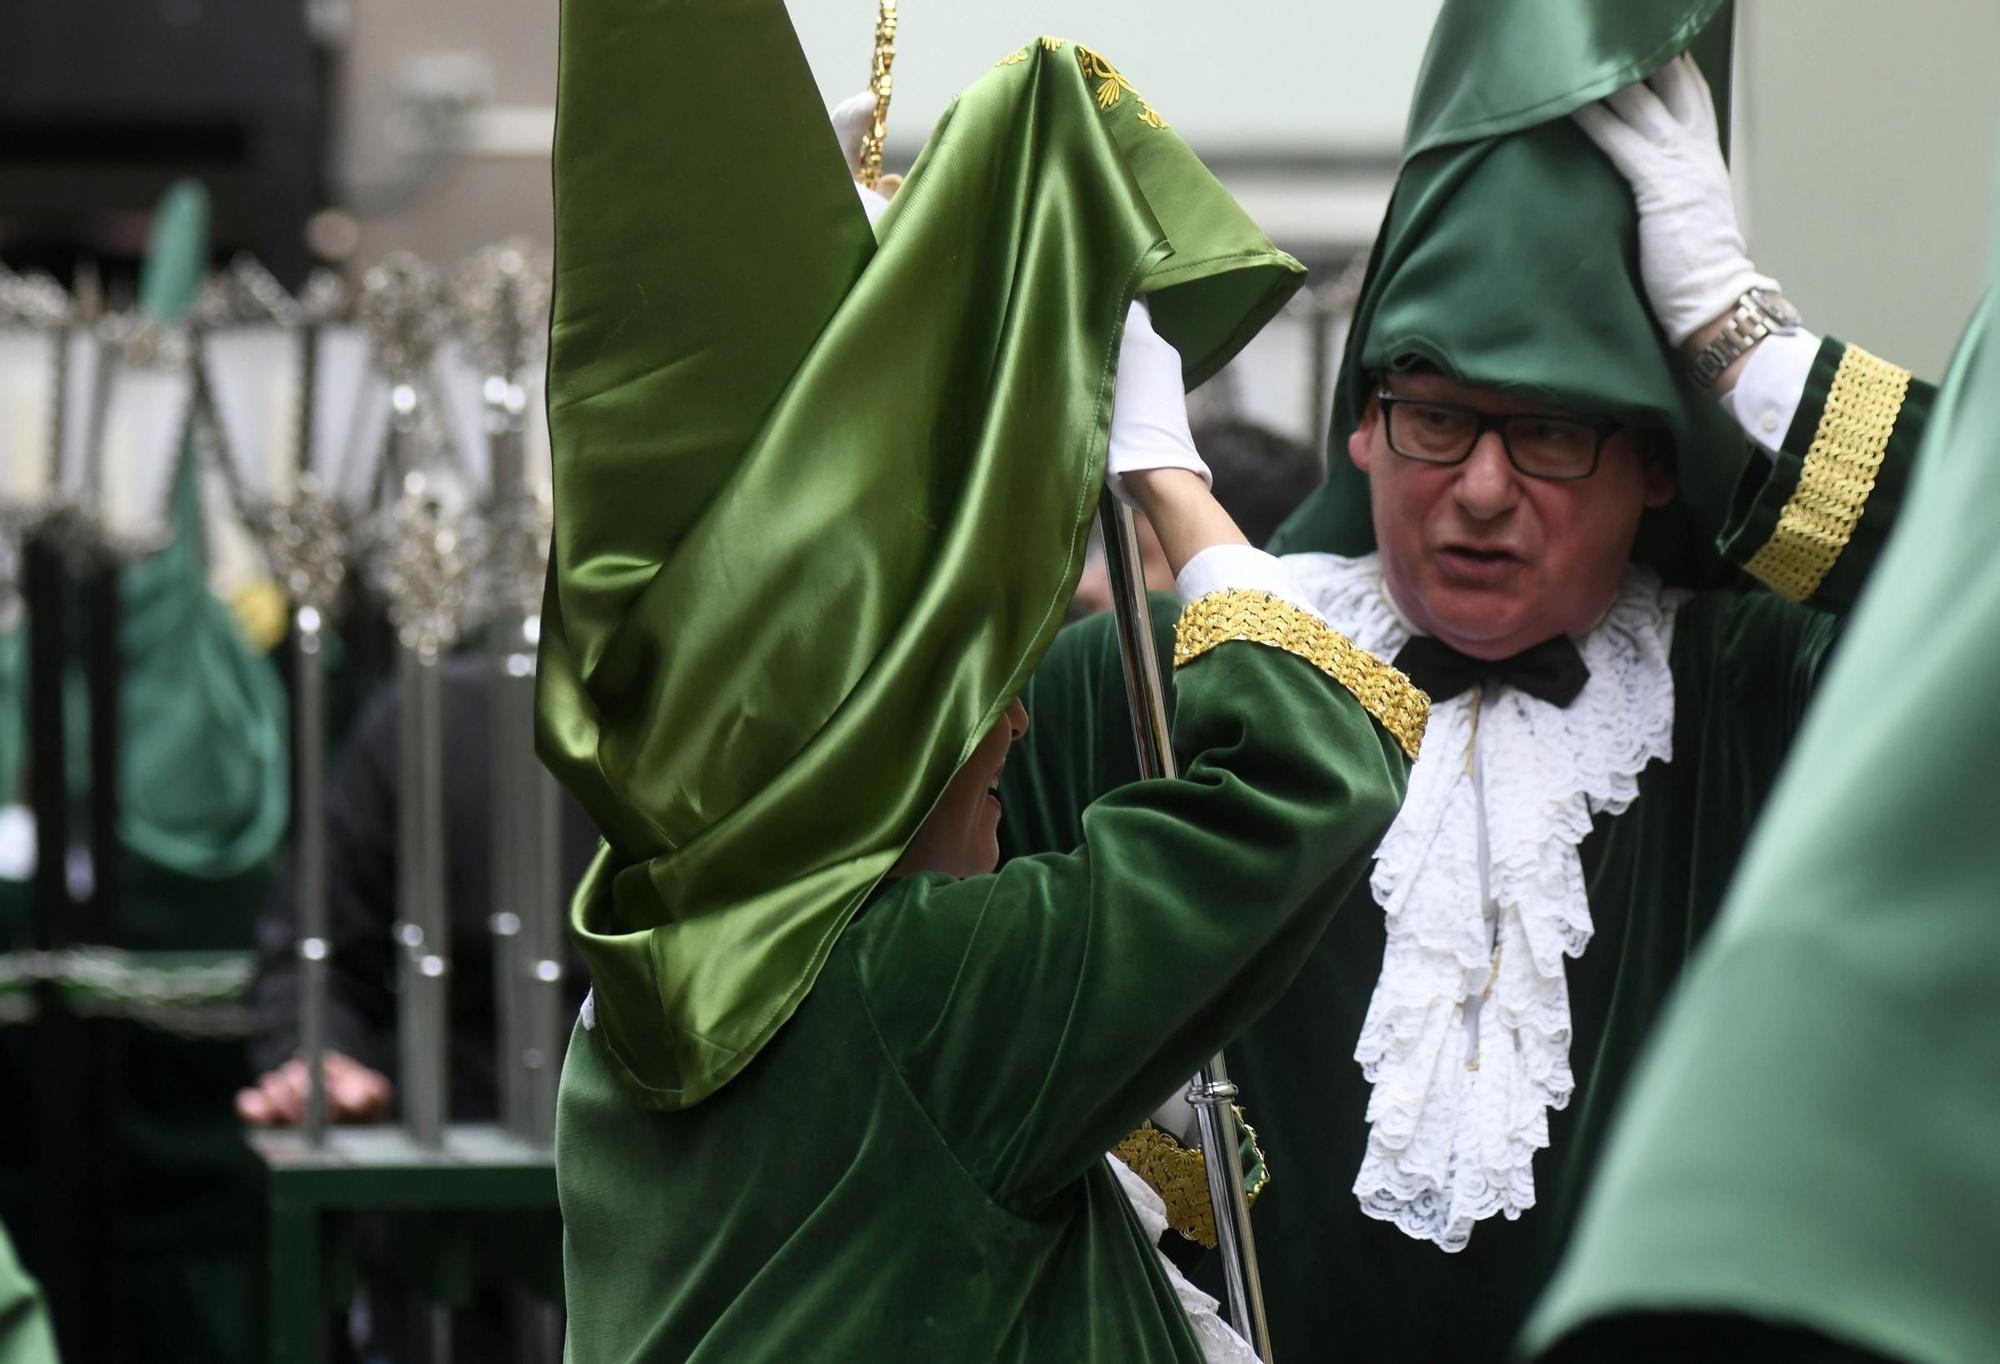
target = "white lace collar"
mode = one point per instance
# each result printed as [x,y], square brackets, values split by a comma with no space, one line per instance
[1467,1037]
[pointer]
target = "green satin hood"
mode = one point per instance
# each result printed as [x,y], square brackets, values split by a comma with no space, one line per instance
[820,504]
[1498,66]
[1509,259]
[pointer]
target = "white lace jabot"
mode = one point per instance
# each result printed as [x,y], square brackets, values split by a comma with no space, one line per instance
[1467,1037]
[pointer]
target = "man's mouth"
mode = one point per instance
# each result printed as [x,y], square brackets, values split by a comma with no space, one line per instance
[1490,554]
[1477,563]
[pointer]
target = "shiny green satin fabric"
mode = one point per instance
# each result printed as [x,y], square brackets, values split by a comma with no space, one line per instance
[1839,1037]
[1498,66]
[1509,259]
[820,504]
[204,756]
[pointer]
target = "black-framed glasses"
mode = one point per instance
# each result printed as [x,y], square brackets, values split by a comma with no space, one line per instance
[1539,444]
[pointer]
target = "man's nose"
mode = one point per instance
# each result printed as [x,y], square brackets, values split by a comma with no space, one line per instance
[1488,485]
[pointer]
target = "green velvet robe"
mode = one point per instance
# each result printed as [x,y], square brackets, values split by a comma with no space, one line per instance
[1337,1282]
[913,1168]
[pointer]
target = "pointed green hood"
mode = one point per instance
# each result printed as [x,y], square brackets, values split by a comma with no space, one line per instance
[821,504]
[1509,259]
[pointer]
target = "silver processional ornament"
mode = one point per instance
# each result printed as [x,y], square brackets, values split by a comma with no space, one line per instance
[423,545]
[35,316]
[503,297]
[294,423]
[141,400]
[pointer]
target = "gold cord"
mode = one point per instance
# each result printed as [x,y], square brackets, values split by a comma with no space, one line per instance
[881,83]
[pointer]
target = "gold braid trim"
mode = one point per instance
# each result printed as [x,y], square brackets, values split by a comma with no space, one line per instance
[1840,468]
[1259,618]
[1179,1175]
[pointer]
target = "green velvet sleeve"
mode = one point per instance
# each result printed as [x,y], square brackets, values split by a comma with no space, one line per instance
[1079,743]
[1811,522]
[1040,1013]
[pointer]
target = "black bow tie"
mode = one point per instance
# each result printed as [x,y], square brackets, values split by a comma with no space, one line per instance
[1552,671]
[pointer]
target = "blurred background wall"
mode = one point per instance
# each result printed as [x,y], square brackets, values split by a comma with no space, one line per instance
[1865,156]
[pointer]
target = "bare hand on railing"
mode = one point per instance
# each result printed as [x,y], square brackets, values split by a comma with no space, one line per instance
[354,1093]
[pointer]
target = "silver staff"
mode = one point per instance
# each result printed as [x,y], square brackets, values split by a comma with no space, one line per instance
[1210,1093]
[421,567]
[504,297]
[281,384]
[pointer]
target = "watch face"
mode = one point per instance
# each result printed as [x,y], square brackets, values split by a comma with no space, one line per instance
[1775,306]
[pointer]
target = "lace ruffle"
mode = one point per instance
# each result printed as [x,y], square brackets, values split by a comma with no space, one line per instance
[1459,1109]
[1219,1344]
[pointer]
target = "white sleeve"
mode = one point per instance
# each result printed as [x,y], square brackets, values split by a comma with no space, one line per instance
[1223,568]
[1149,421]
[1767,393]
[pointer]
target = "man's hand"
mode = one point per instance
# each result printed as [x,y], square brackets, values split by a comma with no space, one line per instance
[1661,135]
[1149,423]
[354,1093]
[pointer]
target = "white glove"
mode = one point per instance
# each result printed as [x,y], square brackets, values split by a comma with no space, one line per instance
[1661,135]
[851,119]
[1149,421]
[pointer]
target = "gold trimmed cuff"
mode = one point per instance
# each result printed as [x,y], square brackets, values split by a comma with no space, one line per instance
[1259,618]
[1815,525]
[1179,1175]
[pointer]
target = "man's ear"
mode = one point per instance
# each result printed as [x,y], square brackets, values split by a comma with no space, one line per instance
[1361,440]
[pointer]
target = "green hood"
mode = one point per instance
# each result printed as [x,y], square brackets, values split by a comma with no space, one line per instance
[821,504]
[204,760]
[1509,259]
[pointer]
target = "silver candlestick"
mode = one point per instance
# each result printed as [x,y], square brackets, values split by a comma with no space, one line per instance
[503,297]
[421,567]
[280,426]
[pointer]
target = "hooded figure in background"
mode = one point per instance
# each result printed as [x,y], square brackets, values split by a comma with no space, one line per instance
[841,1092]
[1574,427]
[203,801]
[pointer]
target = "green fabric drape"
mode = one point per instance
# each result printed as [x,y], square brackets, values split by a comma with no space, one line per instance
[820,504]
[1497,66]
[1810,1139]
[25,1337]
[204,760]
[1509,259]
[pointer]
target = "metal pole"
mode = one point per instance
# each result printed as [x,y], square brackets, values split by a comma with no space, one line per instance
[508,735]
[1210,1092]
[309,833]
[426,926]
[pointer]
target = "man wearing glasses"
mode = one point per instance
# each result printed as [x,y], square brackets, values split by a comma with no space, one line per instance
[1579,426]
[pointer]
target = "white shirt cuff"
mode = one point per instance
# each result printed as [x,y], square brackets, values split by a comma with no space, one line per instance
[1768,391]
[1238,568]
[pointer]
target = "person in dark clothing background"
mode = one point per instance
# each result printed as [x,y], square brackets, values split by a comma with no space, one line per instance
[361,908]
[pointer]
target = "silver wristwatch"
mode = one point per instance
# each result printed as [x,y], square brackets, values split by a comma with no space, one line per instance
[1759,313]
